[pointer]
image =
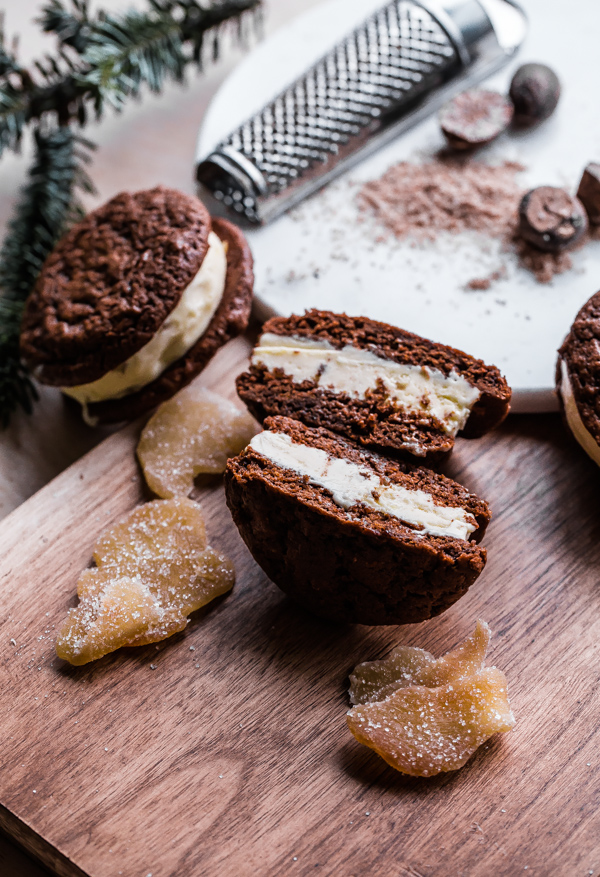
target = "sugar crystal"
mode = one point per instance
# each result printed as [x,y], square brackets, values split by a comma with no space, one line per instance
[153,568]
[194,432]
[419,722]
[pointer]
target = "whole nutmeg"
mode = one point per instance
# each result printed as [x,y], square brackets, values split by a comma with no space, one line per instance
[475,117]
[534,91]
[551,220]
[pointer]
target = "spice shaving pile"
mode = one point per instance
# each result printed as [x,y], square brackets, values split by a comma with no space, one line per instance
[420,201]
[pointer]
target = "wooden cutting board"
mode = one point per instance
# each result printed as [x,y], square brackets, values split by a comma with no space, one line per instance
[224,750]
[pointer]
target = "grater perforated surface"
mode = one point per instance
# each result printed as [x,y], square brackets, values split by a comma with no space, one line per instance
[398,54]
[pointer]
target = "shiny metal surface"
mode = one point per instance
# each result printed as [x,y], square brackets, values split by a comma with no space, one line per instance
[398,66]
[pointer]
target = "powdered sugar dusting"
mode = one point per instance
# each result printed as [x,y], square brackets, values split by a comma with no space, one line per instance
[153,568]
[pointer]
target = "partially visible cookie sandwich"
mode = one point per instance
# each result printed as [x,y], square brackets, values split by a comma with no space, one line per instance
[578,378]
[349,534]
[135,300]
[378,385]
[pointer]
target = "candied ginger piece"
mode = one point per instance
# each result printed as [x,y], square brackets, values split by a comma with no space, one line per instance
[194,432]
[423,731]
[153,568]
[406,665]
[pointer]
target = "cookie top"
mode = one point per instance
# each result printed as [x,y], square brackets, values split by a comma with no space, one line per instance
[578,374]
[111,282]
[230,320]
[381,386]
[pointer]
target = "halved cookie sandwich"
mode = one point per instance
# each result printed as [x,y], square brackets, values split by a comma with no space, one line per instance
[351,535]
[578,378]
[378,385]
[135,300]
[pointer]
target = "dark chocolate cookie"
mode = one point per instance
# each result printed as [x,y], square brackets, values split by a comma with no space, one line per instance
[230,320]
[347,560]
[578,378]
[373,419]
[110,284]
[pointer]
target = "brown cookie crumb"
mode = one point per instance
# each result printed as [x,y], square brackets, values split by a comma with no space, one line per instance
[543,266]
[482,284]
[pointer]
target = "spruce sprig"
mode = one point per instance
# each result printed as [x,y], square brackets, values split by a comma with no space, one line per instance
[72,28]
[101,60]
[48,204]
[126,52]
[108,58]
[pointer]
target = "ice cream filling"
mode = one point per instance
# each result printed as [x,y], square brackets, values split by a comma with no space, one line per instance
[177,335]
[350,484]
[576,425]
[357,372]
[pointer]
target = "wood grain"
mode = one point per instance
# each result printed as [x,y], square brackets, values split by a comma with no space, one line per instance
[232,756]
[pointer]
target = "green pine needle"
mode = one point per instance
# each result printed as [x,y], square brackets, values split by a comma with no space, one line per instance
[16,387]
[71,26]
[13,116]
[47,205]
[128,51]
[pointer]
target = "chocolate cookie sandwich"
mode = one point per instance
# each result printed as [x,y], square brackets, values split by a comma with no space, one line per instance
[378,385]
[578,378]
[349,534]
[135,300]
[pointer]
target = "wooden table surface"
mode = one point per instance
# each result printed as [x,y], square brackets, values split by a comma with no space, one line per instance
[234,757]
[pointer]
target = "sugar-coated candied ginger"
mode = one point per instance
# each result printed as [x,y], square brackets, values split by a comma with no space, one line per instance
[424,731]
[193,433]
[425,716]
[153,568]
[406,665]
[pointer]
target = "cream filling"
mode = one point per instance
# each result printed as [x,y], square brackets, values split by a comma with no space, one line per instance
[350,484]
[576,425]
[356,372]
[178,334]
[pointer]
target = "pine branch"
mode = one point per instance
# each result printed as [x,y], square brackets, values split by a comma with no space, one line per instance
[72,28]
[114,56]
[127,51]
[48,204]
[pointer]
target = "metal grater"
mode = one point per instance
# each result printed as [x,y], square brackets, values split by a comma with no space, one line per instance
[400,65]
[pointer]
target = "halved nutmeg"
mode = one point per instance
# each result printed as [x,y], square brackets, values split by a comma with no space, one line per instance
[551,219]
